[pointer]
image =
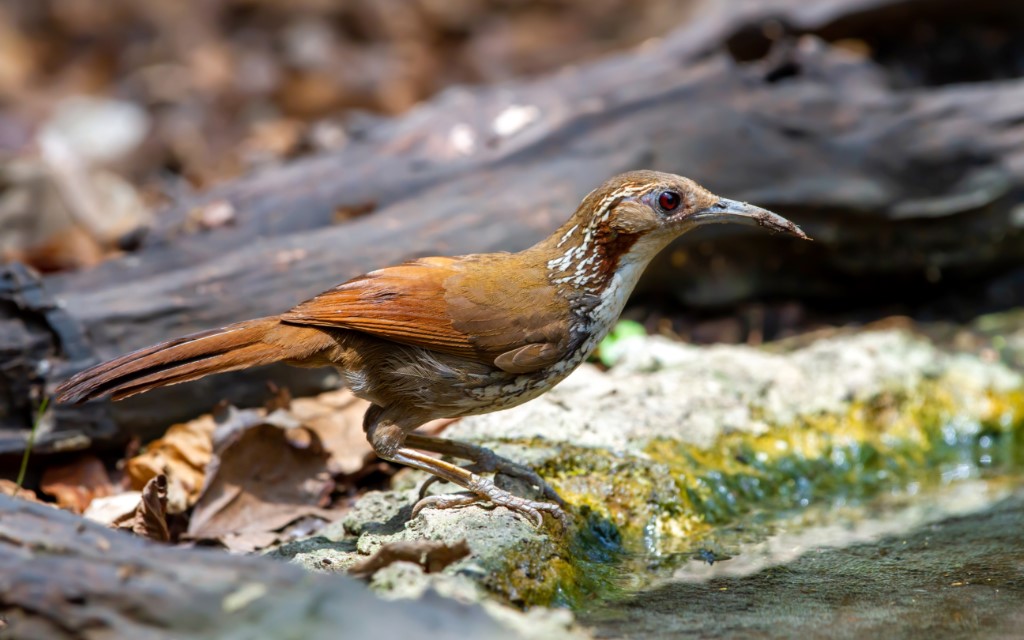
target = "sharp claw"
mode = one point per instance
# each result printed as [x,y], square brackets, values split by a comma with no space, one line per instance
[426,485]
[563,518]
[529,475]
[538,519]
[416,508]
[445,501]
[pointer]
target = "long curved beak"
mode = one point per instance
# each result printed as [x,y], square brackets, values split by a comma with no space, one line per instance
[726,210]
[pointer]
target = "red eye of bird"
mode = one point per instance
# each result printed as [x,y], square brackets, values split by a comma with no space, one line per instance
[669,200]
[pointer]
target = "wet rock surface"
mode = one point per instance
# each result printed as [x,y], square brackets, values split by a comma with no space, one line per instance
[960,577]
[494,537]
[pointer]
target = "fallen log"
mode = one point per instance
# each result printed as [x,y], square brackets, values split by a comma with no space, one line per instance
[906,183]
[65,577]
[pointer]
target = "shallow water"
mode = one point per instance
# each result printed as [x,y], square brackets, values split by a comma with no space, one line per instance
[942,562]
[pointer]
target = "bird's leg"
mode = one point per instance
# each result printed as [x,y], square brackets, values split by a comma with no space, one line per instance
[478,485]
[484,461]
[388,439]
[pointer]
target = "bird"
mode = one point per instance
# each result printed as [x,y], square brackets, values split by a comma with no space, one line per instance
[449,337]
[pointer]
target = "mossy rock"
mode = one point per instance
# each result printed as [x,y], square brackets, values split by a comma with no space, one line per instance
[675,440]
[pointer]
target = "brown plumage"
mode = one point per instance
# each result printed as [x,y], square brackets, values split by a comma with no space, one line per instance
[238,346]
[449,337]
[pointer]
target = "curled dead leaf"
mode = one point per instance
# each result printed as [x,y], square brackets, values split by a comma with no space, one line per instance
[337,418]
[11,488]
[182,455]
[149,519]
[261,478]
[77,483]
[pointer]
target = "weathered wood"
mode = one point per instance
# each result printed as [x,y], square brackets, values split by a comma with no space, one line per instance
[64,577]
[902,184]
[35,331]
[759,130]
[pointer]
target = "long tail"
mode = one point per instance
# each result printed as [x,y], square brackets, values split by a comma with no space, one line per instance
[237,346]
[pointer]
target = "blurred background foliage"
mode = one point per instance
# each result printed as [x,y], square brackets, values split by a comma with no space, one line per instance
[225,84]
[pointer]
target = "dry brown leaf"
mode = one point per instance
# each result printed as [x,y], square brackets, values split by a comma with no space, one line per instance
[260,480]
[274,139]
[149,519]
[432,555]
[182,455]
[17,62]
[75,484]
[68,248]
[11,488]
[38,227]
[250,541]
[337,418]
[280,398]
[113,508]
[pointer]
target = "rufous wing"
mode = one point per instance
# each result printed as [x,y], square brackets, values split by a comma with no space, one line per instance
[448,305]
[403,303]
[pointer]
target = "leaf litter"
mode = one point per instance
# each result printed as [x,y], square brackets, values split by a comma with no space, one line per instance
[181,455]
[77,483]
[245,479]
[249,478]
[149,519]
[266,473]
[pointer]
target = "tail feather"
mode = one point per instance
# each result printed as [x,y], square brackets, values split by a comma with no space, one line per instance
[237,346]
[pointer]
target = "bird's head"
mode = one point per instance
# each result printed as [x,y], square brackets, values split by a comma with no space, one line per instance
[656,204]
[631,217]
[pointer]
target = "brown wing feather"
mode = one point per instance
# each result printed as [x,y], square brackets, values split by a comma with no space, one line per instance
[513,323]
[529,358]
[403,303]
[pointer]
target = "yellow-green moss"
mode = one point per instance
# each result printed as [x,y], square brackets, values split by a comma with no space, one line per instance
[888,441]
[563,570]
[660,502]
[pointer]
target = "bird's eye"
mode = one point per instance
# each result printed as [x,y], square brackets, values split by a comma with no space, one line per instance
[669,200]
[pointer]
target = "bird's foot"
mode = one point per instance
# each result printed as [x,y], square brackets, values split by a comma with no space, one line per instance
[484,490]
[469,478]
[484,460]
[490,462]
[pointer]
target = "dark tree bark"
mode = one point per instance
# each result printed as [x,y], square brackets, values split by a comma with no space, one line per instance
[906,170]
[64,577]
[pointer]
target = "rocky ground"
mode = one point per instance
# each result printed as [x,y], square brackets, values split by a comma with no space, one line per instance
[674,442]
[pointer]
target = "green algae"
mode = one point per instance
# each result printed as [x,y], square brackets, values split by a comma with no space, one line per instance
[658,502]
[889,441]
[583,567]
